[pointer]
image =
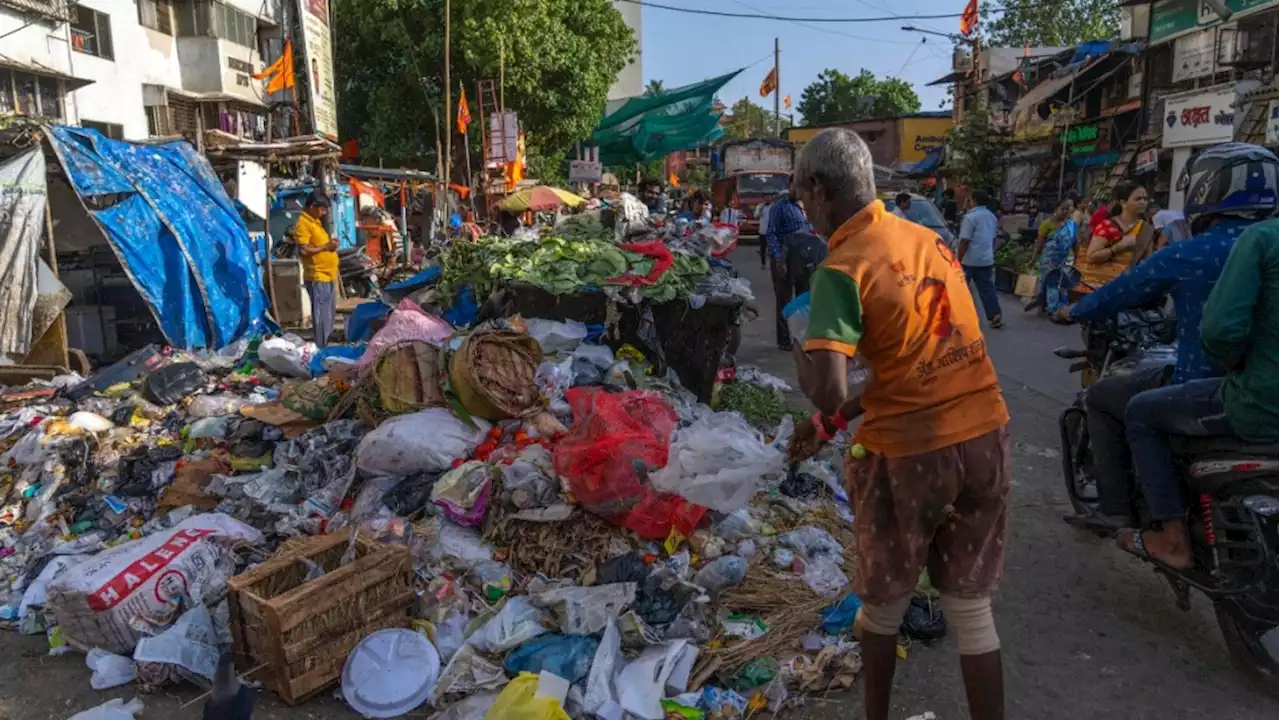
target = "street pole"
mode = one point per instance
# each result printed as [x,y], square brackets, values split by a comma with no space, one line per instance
[448,103]
[777,92]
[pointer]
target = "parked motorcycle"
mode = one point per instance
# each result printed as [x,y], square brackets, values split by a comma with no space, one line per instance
[1232,485]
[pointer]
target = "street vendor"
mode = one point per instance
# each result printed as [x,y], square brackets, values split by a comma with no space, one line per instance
[929,479]
[319,264]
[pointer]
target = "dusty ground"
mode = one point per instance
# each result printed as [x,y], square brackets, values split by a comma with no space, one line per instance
[1087,632]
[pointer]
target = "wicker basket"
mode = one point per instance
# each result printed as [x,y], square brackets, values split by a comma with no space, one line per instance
[300,632]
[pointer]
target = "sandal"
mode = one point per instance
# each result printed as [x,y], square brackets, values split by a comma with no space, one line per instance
[1138,549]
[997,324]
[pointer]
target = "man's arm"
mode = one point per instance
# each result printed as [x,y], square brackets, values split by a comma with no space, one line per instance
[966,236]
[835,327]
[1133,287]
[1227,321]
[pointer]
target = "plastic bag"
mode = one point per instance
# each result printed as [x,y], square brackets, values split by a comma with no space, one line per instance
[287,358]
[604,667]
[426,441]
[812,542]
[568,656]
[589,363]
[116,709]
[554,336]
[109,670]
[645,681]
[615,439]
[586,610]
[519,701]
[517,622]
[463,493]
[824,576]
[451,634]
[208,406]
[721,460]
[721,573]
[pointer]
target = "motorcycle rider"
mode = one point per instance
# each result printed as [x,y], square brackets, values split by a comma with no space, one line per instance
[1186,271]
[1239,331]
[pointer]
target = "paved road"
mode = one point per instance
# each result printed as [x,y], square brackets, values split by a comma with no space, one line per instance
[1087,631]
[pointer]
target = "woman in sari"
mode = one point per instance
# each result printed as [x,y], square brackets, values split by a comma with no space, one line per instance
[1119,241]
[1055,251]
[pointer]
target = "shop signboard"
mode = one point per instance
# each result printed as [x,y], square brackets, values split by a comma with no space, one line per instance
[1147,161]
[1202,118]
[1173,18]
[1193,55]
[317,56]
[1273,123]
[585,171]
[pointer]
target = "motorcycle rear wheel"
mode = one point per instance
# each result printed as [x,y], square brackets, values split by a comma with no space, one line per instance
[1077,461]
[1247,643]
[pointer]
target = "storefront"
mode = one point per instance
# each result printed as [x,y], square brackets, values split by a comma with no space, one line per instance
[1194,120]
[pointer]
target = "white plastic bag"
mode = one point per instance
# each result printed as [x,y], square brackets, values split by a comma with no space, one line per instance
[720,461]
[190,644]
[287,358]
[109,670]
[586,610]
[604,667]
[116,709]
[426,441]
[824,576]
[645,681]
[516,622]
[554,336]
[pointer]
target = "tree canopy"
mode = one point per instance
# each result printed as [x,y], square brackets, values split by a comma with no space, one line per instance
[836,97]
[747,119]
[561,56]
[1050,23]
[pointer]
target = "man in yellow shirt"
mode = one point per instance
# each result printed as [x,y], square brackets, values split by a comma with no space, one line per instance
[929,478]
[319,264]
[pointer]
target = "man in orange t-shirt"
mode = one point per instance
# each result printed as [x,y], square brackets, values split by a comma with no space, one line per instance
[929,477]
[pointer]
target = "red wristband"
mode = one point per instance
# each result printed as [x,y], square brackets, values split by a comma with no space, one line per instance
[839,421]
[819,426]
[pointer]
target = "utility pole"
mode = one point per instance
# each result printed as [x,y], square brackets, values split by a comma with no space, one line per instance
[448,103]
[777,91]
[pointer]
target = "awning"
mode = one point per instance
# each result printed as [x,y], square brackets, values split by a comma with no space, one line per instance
[1044,91]
[73,82]
[930,162]
[215,97]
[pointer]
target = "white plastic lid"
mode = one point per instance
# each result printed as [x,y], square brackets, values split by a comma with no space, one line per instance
[390,673]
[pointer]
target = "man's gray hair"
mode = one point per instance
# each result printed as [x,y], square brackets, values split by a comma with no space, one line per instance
[840,162]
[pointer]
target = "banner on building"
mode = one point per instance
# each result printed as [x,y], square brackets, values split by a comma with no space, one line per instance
[1193,55]
[1199,118]
[317,53]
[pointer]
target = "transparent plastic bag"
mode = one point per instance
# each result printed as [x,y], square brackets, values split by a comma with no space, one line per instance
[109,670]
[721,573]
[720,461]
[516,622]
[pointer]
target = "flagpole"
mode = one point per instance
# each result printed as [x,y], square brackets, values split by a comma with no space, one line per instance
[448,92]
[777,92]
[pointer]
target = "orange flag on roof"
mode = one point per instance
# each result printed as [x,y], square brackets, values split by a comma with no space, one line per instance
[969,18]
[279,74]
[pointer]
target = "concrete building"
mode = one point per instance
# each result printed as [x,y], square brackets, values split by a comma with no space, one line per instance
[895,142]
[631,80]
[137,68]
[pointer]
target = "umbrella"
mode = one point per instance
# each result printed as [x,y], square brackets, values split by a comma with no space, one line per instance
[539,197]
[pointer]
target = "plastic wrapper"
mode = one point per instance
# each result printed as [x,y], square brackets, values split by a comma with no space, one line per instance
[520,700]
[721,573]
[287,357]
[824,576]
[109,670]
[115,709]
[720,461]
[466,673]
[568,656]
[517,622]
[426,441]
[190,644]
[812,542]
[616,438]
[463,492]
[586,610]
[556,336]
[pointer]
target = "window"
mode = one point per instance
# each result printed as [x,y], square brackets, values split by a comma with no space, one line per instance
[26,94]
[158,124]
[91,33]
[111,130]
[206,17]
[156,14]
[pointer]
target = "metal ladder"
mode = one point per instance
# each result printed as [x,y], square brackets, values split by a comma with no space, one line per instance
[1119,171]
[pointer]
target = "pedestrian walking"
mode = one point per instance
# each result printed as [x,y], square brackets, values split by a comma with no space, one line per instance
[930,480]
[977,254]
[785,217]
[319,264]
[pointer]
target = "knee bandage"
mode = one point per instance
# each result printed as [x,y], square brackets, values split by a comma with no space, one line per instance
[971,621]
[881,619]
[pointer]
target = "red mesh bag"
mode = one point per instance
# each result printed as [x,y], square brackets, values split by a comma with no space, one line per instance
[615,439]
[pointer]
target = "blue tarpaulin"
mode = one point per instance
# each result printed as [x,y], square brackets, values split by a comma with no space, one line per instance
[176,233]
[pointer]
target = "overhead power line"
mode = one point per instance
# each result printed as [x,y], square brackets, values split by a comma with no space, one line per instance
[719,13]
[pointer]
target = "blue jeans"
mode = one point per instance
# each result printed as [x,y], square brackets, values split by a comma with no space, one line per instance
[323,309]
[984,279]
[1193,409]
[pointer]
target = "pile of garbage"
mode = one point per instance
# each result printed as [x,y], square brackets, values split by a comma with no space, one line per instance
[541,525]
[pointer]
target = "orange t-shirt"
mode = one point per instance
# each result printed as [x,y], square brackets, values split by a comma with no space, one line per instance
[892,292]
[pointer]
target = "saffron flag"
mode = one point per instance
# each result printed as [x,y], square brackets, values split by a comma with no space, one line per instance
[464,112]
[786,102]
[969,18]
[279,74]
[673,180]
[770,83]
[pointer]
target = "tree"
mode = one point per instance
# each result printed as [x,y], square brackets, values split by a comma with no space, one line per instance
[976,151]
[836,97]
[1050,23]
[747,119]
[561,56]
[654,87]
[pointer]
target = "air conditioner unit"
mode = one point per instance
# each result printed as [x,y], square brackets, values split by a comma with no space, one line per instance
[961,61]
[1246,47]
